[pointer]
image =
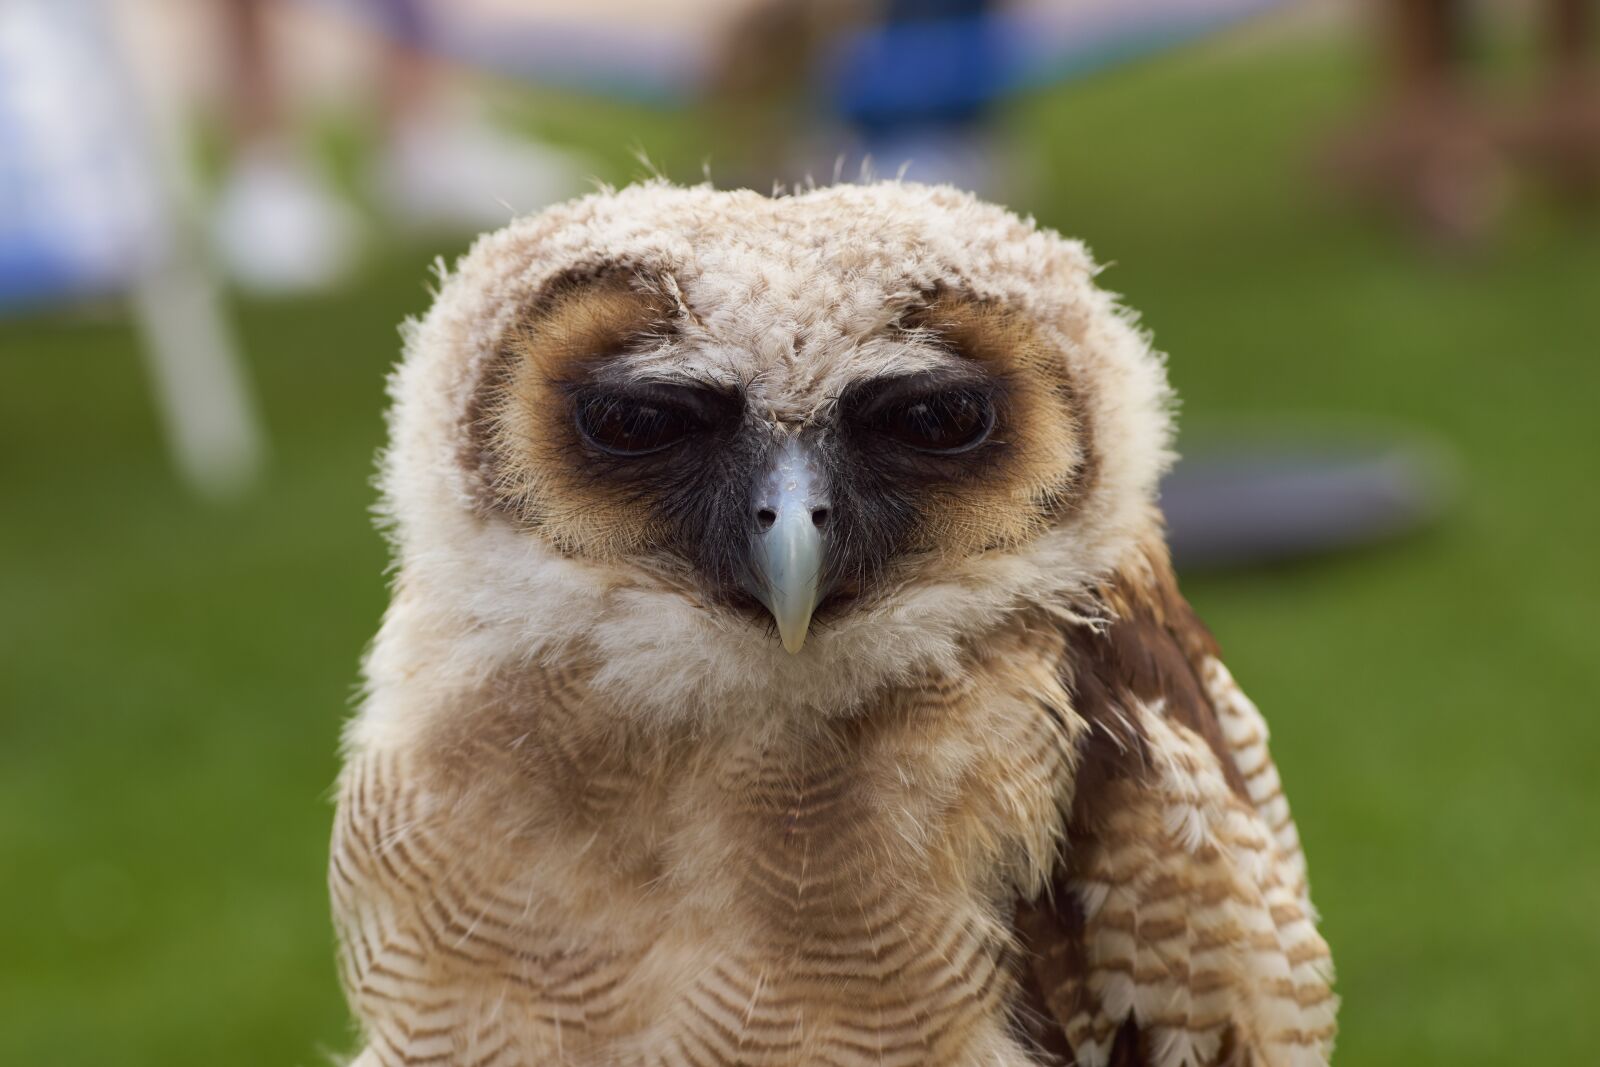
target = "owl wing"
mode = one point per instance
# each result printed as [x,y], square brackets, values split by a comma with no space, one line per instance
[1178,930]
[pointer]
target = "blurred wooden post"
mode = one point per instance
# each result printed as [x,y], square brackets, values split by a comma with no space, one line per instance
[1437,151]
[1426,38]
[1428,151]
[1569,36]
[1560,134]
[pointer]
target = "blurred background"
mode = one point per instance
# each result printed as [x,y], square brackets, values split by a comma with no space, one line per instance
[1367,234]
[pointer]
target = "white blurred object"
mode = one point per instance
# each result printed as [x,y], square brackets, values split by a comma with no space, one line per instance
[279,228]
[456,172]
[96,200]
[80,209]
[208,414]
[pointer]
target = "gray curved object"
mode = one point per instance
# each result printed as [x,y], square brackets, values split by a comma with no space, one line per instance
[1236,505]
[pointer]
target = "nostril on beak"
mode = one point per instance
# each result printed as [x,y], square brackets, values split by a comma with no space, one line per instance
[788,553]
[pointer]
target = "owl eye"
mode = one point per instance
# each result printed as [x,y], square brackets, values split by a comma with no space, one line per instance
[943,423]
[624,425]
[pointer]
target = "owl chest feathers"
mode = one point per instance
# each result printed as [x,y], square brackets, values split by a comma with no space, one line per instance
[539,882]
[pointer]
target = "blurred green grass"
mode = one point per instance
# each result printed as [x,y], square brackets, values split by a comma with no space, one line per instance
[173,675]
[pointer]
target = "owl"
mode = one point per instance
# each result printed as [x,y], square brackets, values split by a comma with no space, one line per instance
[784,666]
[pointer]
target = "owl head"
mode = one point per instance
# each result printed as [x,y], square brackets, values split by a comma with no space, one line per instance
[736,453]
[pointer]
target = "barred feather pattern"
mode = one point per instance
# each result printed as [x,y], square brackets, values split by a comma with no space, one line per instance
[531,884]
[1196,926]
[1245,729]
[534,881]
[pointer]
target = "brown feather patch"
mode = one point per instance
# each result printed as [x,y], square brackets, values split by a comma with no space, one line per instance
[1151,649]
[1175,859]
[1048,443]
[525,444]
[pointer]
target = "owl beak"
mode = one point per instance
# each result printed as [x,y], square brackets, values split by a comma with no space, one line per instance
[791,509]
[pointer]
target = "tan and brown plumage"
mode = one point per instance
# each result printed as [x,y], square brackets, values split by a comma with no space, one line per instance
[1004,805]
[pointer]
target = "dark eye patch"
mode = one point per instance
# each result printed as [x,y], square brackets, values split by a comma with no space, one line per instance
[929,413]
[945,423]
[646,418]
[679,458]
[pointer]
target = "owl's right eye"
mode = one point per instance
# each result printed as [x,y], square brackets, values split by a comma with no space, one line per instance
[623,424]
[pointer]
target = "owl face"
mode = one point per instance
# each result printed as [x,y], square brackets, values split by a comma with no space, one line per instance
[777,483]
[781,448]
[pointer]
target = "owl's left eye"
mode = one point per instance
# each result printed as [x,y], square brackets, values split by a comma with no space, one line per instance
[942,423]
[623,424]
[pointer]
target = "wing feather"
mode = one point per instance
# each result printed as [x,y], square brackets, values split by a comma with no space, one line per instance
[1179,931]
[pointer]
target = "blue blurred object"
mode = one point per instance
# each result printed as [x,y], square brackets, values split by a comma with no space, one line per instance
[81,212]
[1019,49]
[929,62]
[33,270]
[918,86]
[948,60]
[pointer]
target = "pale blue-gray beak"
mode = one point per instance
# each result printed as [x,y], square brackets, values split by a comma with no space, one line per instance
[792,508]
